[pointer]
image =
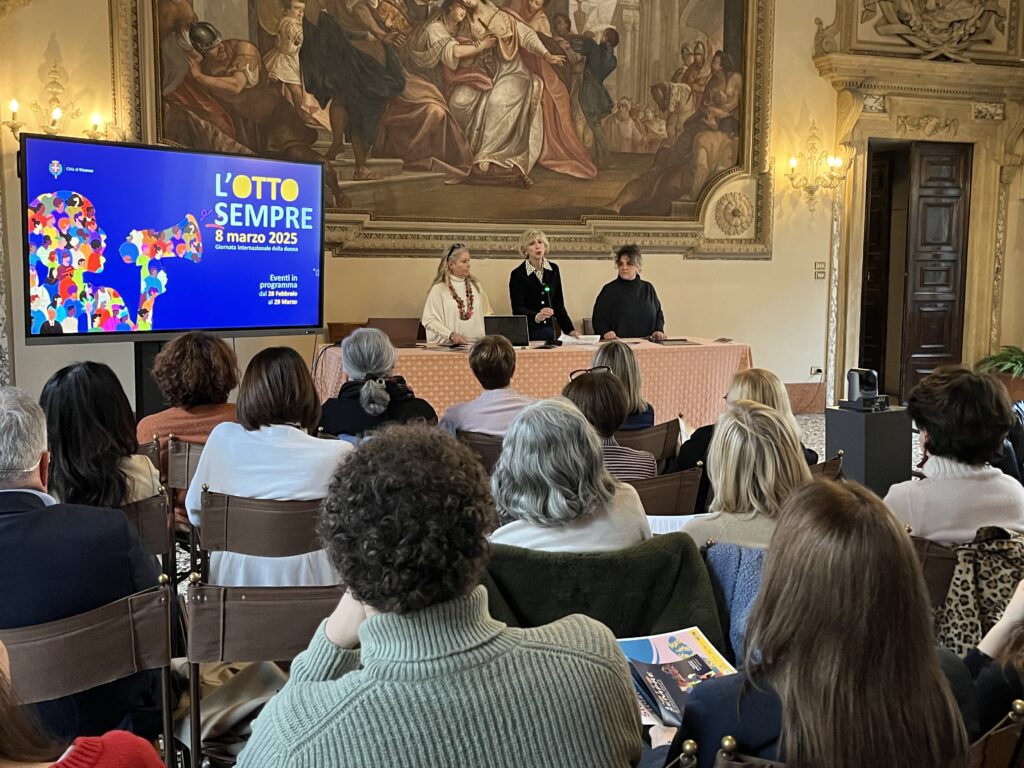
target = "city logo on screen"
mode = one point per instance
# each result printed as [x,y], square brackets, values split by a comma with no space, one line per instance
[56,169]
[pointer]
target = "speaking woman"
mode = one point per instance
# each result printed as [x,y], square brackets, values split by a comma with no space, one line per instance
[535,289]
[456,305]
[628,307]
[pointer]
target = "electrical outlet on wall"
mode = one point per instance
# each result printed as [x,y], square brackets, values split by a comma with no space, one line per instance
[816,370]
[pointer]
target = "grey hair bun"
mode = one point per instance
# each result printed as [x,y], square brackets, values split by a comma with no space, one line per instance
[374,397]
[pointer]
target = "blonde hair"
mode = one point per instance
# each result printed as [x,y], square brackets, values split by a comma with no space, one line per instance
[620,358]
[842,630]
[451,253]
[754,461]
[529,236]
[763,386]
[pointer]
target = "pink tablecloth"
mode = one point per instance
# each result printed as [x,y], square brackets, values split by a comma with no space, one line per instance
[689,380]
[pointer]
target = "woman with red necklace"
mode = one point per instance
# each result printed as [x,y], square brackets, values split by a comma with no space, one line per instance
[456,305]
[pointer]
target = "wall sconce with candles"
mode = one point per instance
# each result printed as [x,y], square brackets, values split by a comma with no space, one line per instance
[811,178]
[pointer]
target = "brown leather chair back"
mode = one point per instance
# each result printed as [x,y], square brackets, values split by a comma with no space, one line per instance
[338,331]
[829,470]
[152,518]
[182,460]
[672,494]
[662,439]
[487,447]
[254,623]
[151,451]
[938,563]
[1000,747]
[93,648]
[261,527]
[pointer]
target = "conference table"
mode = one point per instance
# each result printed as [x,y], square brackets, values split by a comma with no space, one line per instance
[686,379]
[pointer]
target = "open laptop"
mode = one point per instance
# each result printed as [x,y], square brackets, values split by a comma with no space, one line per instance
[512,327]
[403,331]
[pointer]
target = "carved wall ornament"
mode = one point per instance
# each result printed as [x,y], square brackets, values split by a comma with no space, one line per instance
[927,125]
[874,104]
[989,110]
[734,213]
[938,27]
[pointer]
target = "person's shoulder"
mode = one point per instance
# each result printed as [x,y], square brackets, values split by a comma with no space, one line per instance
[226,430]
[627,499]
[577,636]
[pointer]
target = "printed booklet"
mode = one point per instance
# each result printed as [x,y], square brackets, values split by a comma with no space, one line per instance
[665,667]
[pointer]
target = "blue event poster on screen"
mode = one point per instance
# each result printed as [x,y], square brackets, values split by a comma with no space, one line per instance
[127,239]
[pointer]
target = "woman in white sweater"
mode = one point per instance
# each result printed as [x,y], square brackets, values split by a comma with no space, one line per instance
[456,305]
[962,418]
[552,486]
[269,454]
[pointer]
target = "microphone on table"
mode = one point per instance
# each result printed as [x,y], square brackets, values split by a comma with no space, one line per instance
[545,298]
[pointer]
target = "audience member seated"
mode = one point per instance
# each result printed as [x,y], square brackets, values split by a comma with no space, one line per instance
[962,418]
[195,373]
[371,394]
[997,664]
[601,397]
[269,454]
[24,745]
[841,669]
[406,522]
[58,560]
[93,457]
[755,464]
[493,361]
[757,384]
[620,359]
[552,486]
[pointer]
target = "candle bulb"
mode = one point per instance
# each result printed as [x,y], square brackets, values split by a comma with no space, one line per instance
[792,163]
[14,110]
[55,115]
[96,121]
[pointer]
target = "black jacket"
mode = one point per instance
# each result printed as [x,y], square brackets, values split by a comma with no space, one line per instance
[62,560]
[343,415]
[528,296]
[696,449]
[631,308]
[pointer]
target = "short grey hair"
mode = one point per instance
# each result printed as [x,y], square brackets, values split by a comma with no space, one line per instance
[551,470]
[22,436]
[367,355]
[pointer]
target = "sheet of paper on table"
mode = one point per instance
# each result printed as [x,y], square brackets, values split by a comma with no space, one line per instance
[581,341]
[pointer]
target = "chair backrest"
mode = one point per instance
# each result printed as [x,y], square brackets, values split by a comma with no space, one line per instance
[63,657]
[672,494]
[938,562]
[182,460]
[1000,747]
[237,624]
[588,326]
[338,331]
[832,469]
[728,757]
[487,447]
[151,451]
[662,439]
[261,527]
[152,518]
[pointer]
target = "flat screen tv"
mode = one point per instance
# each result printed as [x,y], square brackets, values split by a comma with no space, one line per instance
[132,242]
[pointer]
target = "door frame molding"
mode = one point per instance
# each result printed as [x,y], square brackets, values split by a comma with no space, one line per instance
[882,97]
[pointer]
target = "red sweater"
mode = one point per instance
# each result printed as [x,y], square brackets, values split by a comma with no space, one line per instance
[116,749]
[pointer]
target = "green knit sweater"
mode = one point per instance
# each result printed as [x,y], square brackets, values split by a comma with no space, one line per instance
[450,686]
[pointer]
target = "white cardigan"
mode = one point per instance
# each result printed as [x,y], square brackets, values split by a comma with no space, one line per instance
[279,462]
[954,500]
[441,313]
[620,524]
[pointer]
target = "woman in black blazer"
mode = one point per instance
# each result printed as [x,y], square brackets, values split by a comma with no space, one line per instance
[840,667]
[535,289]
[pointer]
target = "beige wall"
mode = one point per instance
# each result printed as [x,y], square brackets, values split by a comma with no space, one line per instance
[774,305]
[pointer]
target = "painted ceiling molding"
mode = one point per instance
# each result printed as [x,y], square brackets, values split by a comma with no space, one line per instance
[7,6]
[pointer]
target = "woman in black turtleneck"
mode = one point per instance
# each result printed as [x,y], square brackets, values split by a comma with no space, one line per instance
[628,306]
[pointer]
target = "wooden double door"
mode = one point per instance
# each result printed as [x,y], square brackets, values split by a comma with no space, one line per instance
[918,207]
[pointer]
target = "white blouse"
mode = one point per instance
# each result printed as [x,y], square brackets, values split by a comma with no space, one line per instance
[278,462]
[441,313]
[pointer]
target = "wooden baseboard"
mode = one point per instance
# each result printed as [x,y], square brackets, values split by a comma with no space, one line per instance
[807,398]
